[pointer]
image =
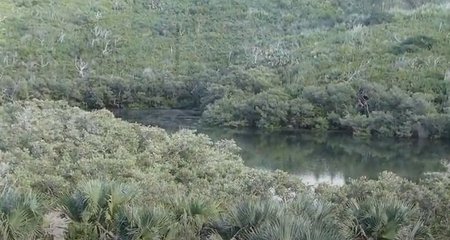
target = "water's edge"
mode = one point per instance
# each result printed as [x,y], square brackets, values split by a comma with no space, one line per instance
[316,157]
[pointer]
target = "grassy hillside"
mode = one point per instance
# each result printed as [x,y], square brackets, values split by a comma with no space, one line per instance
[70,174]
[267,64]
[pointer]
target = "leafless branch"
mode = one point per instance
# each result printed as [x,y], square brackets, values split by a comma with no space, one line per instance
[81,67]
[105,50]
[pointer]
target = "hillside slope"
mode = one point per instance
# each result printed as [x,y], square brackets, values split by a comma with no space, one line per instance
[267,64]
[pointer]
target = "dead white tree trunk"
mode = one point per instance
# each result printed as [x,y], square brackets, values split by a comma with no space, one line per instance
[81,67]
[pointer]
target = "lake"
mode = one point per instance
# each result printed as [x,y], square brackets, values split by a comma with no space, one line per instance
[316,157]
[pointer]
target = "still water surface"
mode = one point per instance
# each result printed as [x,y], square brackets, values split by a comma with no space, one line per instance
[330,157]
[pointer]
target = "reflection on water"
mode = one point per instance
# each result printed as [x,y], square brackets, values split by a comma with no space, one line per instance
[330,157]
[336,178]
[334,157]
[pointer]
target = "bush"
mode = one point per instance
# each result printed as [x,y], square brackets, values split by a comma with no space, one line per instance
[185,186]
[413,44]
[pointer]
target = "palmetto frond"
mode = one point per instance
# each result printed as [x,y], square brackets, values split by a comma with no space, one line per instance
[146,223]
[305,218]
[312,208]
[100,205]
[20,215]
[283,228]
[193,207]
[253,213]
[293,228]
[416,231]
[74,206]
[243,218]
[379,218]
[191,214]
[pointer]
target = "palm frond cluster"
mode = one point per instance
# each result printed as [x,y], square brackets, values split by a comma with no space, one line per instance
[109,210]
[304,218]
[19,215]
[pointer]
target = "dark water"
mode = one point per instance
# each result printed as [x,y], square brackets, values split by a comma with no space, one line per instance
[331,157]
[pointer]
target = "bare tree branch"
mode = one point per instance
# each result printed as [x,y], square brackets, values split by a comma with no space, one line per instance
[81,67]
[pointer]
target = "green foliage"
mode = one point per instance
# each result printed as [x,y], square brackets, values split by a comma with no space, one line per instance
[20,215]
[379,219]
[304,218]
[156,185]
[425,201]
[191,215]
[145,223]
[54,147]
[413,44]
[95,208]
[245,64]
[438,183]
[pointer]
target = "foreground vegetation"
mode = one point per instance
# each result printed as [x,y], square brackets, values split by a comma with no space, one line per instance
[267,64]
[71,174]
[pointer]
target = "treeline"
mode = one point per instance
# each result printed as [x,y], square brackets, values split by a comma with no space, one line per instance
[156,185]
[265,64]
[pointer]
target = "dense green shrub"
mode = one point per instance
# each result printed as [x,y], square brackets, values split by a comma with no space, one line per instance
[155,185]
[52,146]
[228,59]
